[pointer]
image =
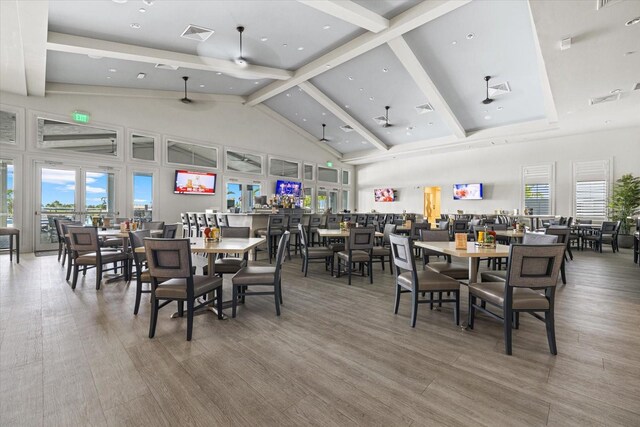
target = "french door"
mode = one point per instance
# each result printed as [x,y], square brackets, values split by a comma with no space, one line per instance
[241,195]
[74,193]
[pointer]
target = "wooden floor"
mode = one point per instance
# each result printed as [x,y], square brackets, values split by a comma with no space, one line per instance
[337,356]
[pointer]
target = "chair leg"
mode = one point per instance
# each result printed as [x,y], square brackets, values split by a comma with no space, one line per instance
[305,266]
[431,302]
[439,299]
[508,325]
[551,332]
[570,253]
[154,315]
[276,297]
[414,308]
[69,266]
[234,302]
[303,261]
[180,308]
[349,271]
[219,301]
[397,302]
[456,313]
[390,266]
[563,273]
[189,319]
[138,296]
[64,255]
[98,276]
[472,311]
[10,248]
[75,276]
[280,292]
[371,271]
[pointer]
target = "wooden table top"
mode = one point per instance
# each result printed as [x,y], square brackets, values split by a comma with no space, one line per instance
[227,245]
[472,251]
[325,232]
[509,233]
[118,233]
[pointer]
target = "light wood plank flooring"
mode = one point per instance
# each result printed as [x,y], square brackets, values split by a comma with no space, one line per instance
[337,356]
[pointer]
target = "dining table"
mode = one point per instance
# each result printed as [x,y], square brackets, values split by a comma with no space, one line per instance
[511,234]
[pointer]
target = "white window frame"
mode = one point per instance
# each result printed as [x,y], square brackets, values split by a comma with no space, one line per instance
[349,174]
[131,170]
[157,146]
[327,182]
[297,162]
[596,170]
[313,172]
[539,174]
[246,174]
[204,144]
[20,139]
[18,191]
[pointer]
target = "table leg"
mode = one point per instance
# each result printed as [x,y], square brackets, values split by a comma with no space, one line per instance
[473,277]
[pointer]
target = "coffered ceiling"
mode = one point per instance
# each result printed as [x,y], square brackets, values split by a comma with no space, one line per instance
[342,62]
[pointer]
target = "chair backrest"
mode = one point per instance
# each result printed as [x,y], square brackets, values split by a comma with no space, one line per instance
[212,220]
[416,227]
[402,253]
[434,235]
[539,239]
[361,238]
[57,222]
[371,219]
[561,231]
[84,239]
[282,245]
[276,222]
[223,221]
[64,229]
[332,220]
[347,218]
[389,229]
[361,220]
[460,226]
[136,239]
[237,232]
[294,220]
[586,221]
[534,266]
[495,227]
[443,225]
[184,218]
[304,244]
[153,225]
[569,221]
[168,258]
[609,227]
[315,221]
[169,231]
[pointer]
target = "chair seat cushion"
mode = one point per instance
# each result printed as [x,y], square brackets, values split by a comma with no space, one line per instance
[523,298]
[493,276]
[381,251]
[177,288]
[9,231]
[448,269]
[107,257]
[356,256]
[263,232]
[429,281]
[145,276]
[319,252]
[255,275]
[112,242]
[336,247]
[229,265]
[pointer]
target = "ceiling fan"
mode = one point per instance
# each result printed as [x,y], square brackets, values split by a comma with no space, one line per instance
[487,100]
[186,99]
[386,118]
[323,139]
[241,61]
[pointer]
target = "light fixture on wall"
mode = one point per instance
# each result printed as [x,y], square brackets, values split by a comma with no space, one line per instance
[487,100]
[241,61]
[323,139]
[186,99]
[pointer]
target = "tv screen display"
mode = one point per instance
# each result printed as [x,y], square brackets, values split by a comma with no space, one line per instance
[384,195]
[467,191]
[289,188]
[188,182]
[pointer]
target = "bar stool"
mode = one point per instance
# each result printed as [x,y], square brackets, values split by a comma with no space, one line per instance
[12,232]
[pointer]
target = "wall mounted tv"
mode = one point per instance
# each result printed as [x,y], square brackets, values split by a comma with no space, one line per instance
[189,182]
[467,192]
[384,195]
[288,188]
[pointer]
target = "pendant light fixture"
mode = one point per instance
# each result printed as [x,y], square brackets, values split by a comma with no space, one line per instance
[323,139]
[186,99]
[487,100]
[386,118]
[240,61]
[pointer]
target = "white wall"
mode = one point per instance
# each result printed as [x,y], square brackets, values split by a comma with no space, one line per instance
[220,123]
[498,168]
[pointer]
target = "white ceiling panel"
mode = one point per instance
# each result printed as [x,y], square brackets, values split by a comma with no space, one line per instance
[363,88]
[483,38]
[387,8]
[304,111]
[80,69]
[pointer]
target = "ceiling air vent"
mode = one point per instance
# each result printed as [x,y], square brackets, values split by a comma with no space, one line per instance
[499,89]
[167,67]
[602,99]
[425,108]
[602,3]
[636,87]
[196,33]
[346,128]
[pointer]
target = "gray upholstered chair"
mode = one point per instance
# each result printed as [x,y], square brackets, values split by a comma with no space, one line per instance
[442,267]
[136,239]
[606,235]
[153,225]
[169,231]
[12,233]
[563,233]
[68,253]
[384,251]
[169,262]
[186,229]
[315,222]
[409,280]
[86,252]
[359,249]
[311,254]
[212,220]
[276,226]
[229,264]
[292,226]
[252,276]
[530,287]
[61,246]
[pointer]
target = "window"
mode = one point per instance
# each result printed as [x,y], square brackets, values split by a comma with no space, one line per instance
[308,172]
[143,146]
[70,137]
[327,175]
[243,162]
[345,199]
[537,188]
[184,153]
[307,201]
[284,168]
[321,200]
[591,189]
[8,127]
[6,193]
[536,197]
[345,177]
[143,195]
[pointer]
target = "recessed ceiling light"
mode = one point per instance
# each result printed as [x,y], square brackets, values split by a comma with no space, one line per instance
[430,123]
[255,83]
[385,70]
[108,77]
[288,95]
[135,25]
[487,117]
[120,1]
[148,2]
[328,66]
[454,42]
[470,36]
[284,45]
[606,122]
[569,112]
[615,91]
[263,39]
[350,78]
[499,108]
[361,89]
[364,142]
[142,10]
[95,56]
[304,120]
[324,114]
[112,70]
[230,87]
[141,76]
[371,98]
[493,143]
[201,85]
[326,27]
[218,73]
[408,133]
[346,106]
[301,48]
[632,21]
[388,132]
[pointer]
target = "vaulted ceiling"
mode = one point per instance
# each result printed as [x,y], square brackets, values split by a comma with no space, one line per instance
[341,63]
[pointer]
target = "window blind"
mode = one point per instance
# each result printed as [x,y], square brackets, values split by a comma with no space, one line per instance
[537,197]
[591,199]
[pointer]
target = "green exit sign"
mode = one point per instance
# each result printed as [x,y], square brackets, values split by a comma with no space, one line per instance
[80,117]
[330,164]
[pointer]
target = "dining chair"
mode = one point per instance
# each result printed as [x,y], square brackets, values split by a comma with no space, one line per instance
[172,279]
[409,280]
[251,276]
[212,220]
[231,264]
[169,231]
[562,233]
[359,249]
[315,222]
[292,227]
[12,233]
[313,254]
[606,235]
[153,225]
[186,228]
[442,267]
[530,287]
[276,225]
[136,240]
[57,222]
[67,252]
[361,220]
[384,251]
[87,252]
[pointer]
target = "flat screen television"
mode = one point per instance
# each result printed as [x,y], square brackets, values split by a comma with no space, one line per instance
[384,195]
[288,188]
[467,191]
[189,182]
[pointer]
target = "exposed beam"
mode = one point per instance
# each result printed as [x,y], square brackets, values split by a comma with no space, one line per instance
[337,111]
[415,17]
[14,77]
[408,59]
[350,12]
[88,46]
[297,129]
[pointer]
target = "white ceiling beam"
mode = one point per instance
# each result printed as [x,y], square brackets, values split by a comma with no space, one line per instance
[88,46]
[408,59]
[297,129]
[413,18]
[12,70]
[337,111]
[350,12]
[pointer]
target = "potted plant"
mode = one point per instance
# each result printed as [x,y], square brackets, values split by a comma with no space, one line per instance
[624,203]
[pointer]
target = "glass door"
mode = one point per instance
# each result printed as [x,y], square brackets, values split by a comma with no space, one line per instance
[321,200]
[240,196]
[333,200]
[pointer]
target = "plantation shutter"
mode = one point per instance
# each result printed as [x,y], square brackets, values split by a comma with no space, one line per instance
[537,187]
[591,184]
